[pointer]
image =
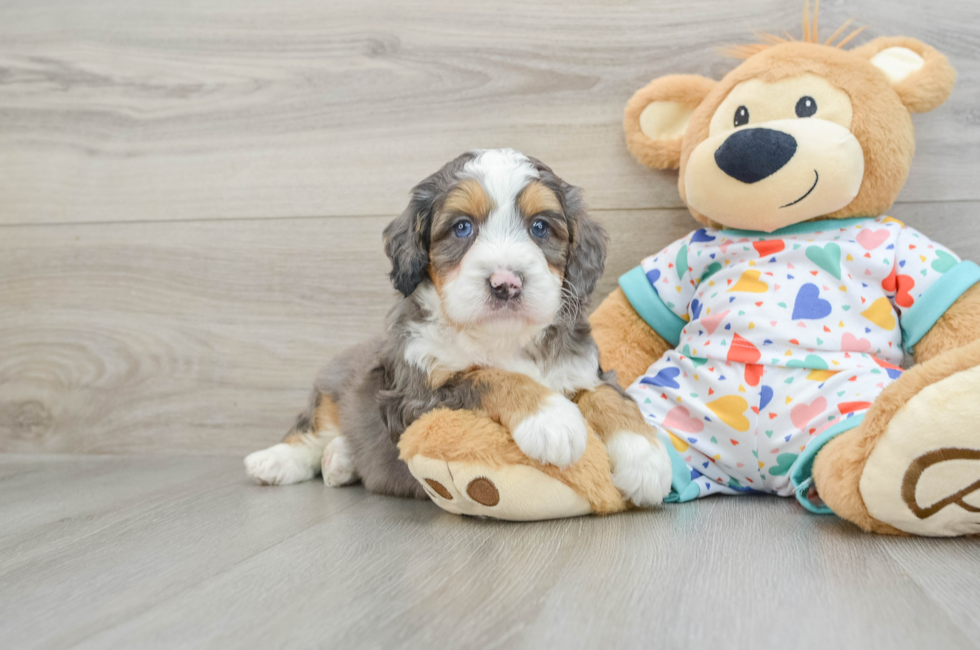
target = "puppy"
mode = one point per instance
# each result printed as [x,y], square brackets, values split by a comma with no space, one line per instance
[496,260]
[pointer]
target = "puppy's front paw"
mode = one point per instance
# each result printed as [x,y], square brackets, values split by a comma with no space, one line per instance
[641,468]
[556,434]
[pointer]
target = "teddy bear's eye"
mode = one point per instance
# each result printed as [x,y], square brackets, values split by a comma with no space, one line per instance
[741,116]
[806,106]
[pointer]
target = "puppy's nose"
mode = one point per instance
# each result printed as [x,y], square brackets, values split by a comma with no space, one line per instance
[749,155]
[505,285]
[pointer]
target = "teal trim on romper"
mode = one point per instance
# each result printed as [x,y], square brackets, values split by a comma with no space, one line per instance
[799,228]
[682,488]
[935,302]
[651,308]
[801,473]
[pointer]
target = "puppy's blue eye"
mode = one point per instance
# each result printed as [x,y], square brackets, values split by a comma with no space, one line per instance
[539,228]
[463,229]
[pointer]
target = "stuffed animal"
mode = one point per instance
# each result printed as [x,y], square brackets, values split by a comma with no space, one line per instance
[766,346]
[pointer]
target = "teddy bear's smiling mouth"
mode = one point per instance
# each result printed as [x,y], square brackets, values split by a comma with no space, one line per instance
[816,180]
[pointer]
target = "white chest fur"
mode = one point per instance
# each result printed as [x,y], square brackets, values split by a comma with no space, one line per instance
[435,346]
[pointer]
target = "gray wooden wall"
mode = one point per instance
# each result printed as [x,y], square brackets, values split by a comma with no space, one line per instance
[192,193]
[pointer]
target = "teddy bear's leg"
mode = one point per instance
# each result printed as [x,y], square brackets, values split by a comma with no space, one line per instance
[626,343]
[913,465]
[470,464]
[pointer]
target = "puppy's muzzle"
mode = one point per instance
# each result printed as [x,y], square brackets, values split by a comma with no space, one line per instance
[505,285]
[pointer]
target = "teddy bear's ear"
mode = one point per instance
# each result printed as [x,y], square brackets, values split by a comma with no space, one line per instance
[920,74]
[657,116]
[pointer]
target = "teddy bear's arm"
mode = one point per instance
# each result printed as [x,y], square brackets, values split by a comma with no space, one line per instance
[959,326]
[626,343]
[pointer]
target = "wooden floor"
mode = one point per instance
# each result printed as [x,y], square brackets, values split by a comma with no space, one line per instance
[192,196]
[181,552]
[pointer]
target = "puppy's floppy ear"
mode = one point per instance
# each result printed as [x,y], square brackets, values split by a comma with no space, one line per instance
[587,246]
[921,75]
[407,237]
[407,243]
[657,115]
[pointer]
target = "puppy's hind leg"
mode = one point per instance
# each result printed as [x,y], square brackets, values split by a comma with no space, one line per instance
[298,457]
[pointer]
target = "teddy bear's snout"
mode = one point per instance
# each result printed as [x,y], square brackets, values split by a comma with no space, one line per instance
[750,155]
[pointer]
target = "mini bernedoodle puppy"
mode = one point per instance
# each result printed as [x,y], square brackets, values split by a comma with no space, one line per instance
[496,259]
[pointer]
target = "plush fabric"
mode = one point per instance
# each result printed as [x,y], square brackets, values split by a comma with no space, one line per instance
[804,140]
[838,468]
[731,178]
[466,438]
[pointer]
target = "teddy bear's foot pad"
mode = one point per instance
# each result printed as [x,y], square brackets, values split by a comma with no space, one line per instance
[512,492]
[923,476]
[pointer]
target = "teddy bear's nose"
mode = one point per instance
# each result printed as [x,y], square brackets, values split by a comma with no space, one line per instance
[749,155]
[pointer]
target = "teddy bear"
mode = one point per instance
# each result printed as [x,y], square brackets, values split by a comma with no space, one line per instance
[767,346]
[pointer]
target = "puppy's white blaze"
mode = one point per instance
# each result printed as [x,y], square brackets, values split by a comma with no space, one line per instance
[338,465]
[502,172]
[555,435]
[641,468]
[284,464]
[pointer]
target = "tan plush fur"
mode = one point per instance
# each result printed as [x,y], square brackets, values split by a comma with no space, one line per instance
[838,467]
[687,90]
[926,89]
[881,122]
[959,326]
[882,125]
[626,343]
[466,436]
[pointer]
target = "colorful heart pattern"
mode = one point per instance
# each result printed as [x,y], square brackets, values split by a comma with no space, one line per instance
[809,305]
[782,336]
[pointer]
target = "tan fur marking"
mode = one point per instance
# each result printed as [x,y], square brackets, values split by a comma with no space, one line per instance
[440,376]
[469,198]
[508,397]
[536,198]
[626,343]
[610,412]
[437,280]
[325,417]
[326,414]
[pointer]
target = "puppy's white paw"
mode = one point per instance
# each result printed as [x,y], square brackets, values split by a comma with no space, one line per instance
[338,465]
[556,434]
[280,464]
[641,468]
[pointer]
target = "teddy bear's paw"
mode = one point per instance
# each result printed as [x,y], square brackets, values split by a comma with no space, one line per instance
[923,475]
[512,492]
[555,435]
[641,468]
